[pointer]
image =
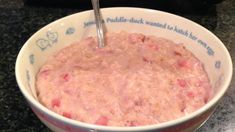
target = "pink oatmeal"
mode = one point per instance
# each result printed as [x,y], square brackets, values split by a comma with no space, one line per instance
[134,80]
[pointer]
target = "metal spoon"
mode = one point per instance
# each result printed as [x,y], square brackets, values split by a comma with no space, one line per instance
[98,21]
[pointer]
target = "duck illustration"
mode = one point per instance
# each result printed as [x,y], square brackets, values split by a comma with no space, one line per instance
[43,44]
[52,36]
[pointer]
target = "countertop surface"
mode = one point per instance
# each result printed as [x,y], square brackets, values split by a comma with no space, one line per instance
[19,21]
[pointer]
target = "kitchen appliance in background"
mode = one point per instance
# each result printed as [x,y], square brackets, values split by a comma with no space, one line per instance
[173,6]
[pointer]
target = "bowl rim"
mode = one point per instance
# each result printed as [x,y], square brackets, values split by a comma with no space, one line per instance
[56,116]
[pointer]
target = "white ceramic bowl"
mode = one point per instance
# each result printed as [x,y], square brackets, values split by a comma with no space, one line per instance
[53,37]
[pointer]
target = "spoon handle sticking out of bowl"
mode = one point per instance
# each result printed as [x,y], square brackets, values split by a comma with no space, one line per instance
[98,21]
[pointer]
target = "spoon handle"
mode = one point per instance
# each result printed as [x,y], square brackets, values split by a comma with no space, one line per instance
[98,21]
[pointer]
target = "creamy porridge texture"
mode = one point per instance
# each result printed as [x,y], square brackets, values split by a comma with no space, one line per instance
[134,80]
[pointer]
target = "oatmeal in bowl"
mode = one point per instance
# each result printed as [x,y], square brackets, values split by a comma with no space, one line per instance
[154,74]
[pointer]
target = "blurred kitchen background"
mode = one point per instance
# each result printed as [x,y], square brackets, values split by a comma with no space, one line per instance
[174,6]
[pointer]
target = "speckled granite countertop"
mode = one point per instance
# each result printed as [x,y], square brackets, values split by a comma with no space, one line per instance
[18,22]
